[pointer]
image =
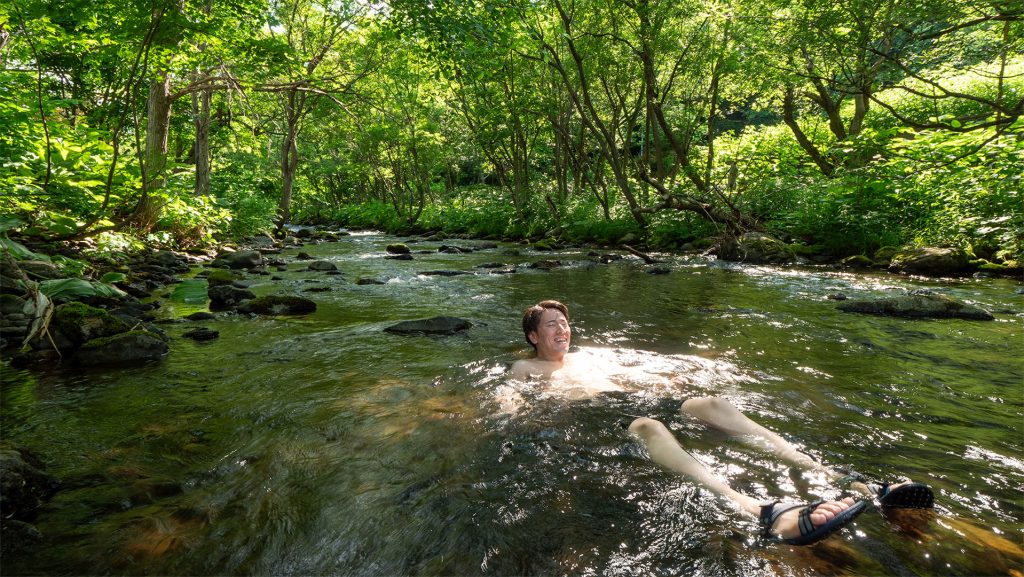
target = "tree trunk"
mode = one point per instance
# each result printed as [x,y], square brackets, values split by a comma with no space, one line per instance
[201,111]
[293,111]
[154,164]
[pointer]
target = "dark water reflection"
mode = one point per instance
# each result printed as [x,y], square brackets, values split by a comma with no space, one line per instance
[322,445]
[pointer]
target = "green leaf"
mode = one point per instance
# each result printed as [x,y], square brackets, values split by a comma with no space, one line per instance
[9,222]
[19,251]
[76,288]
[113,276]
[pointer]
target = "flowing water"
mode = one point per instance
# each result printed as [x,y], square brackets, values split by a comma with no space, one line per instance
[321,444]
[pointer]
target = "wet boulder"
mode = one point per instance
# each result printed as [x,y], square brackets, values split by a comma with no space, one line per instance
[75,323]
[122,349]
[397,248]
[754,248]
[917,305]
[219,276]
[931,261]
[278,305]
[546,264]
[440,325]
[240,259]
[322,265]
[169,259]
[201,334]
[444,272]
[227,296]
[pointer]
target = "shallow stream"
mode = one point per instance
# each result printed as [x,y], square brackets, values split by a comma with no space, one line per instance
[321,444]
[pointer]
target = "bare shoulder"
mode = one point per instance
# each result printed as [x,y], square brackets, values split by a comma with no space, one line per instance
[523,368]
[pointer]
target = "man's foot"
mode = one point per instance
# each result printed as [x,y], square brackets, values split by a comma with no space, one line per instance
[903,495]
[799,524]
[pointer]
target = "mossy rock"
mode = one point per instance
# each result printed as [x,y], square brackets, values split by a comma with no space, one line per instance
[74,323]
[917,305]
[1008,268]
[544,245]
[806,250]
[278,305]
[884,255]
[933,261]
[221,276]
[755,248]
[397,248]
[857,261]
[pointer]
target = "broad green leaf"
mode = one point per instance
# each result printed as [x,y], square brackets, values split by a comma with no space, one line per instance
[76,288]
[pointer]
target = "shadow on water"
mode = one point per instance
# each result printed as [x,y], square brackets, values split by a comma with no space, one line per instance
[323,445]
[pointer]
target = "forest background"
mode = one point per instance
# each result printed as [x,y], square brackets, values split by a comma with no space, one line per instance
[841,127]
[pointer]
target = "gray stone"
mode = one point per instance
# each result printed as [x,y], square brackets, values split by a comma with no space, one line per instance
[917,306]
[444,272]
[241,259]
[201,334]
[168,259]
[441,325]
[546,264]
[931,261]
[755,248]
[278,305]
[322,265]
[122,349]
[225,296]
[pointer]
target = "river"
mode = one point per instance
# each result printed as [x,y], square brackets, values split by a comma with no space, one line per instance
[321,444]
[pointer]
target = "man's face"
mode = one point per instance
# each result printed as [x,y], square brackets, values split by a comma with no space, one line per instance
[552,335]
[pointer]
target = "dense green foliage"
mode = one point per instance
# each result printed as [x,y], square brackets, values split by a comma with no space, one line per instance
[843,127]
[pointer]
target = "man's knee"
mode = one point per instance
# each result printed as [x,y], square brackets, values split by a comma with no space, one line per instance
[646,428]
[703,405]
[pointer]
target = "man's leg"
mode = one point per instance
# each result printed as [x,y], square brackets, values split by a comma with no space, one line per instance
[721,414]
[666,451]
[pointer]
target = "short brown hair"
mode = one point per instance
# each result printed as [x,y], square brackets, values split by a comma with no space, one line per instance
[531,318]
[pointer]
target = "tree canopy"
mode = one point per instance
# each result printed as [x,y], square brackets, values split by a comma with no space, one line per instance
[844,127]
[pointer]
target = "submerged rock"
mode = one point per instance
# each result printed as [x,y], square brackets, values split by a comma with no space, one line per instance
[124,348]
[917,306]
[278,305]
[546,264]
[24,483]
[444,272]
[440,325]
[201,334]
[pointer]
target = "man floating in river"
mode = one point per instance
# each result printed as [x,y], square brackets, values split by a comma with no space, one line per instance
[546,327]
